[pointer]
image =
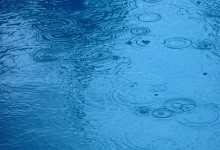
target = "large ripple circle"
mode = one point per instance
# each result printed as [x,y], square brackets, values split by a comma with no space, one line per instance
[178,43]
[200,117]
[149,17]
[152,1]
[204,45]
[162,113]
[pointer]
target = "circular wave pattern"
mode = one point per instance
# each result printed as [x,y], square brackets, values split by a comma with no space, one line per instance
[139,42]
[55,24]
[200,117]
[142,111]
[109,27]
[45,56]
[126,5]
[59,37]
[94,55]
[159,136]
[180,104]
[162,113]
[117,13]
[140,30]
[55,28]
[149,17]
[102,37]
[162,144]
[159,88]
[204,45]
[178,43]
[96,3]
[152,1]
[98,59]
[89,16]
[132,96]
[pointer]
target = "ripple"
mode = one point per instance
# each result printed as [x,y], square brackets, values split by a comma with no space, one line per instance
[117,13]
[3,50]
[149,17]
[204,45]
[76,112]
[127,5]
[158,136]
[43,15]
[59,37]
[180,104]
[54,25]
[17,108]
[212,95]
[178,43]
[164,144]
[52,21]
[89,16]
[120,91]
[7,62]
[152,1]
[162,113]
[17,5]
[109,27]
[200,117]
[56,146]
[45,56]
[211,9]
[139,42]
[99,143]
[101,37]
[140,31]
[142,111]
[98,59]
[130,95]
[159,88]
[89,56]
[96,3]
[214,142]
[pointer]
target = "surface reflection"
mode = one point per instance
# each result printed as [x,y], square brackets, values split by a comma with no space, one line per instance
[109,74]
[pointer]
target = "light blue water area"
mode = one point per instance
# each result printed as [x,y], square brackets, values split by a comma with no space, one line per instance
[109,75]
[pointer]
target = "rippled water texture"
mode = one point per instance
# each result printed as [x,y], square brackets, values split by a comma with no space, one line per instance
[109,75]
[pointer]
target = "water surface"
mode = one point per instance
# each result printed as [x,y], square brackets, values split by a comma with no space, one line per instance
[109,75]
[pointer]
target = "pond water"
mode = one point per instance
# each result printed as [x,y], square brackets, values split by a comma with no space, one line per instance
[109,75]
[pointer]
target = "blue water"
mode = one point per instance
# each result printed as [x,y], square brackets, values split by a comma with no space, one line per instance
[109,75]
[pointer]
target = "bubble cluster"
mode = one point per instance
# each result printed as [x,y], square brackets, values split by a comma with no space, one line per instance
[142,111]
[180,104]
[204,45]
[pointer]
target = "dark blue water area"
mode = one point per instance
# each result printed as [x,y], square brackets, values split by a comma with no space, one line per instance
[109,75]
